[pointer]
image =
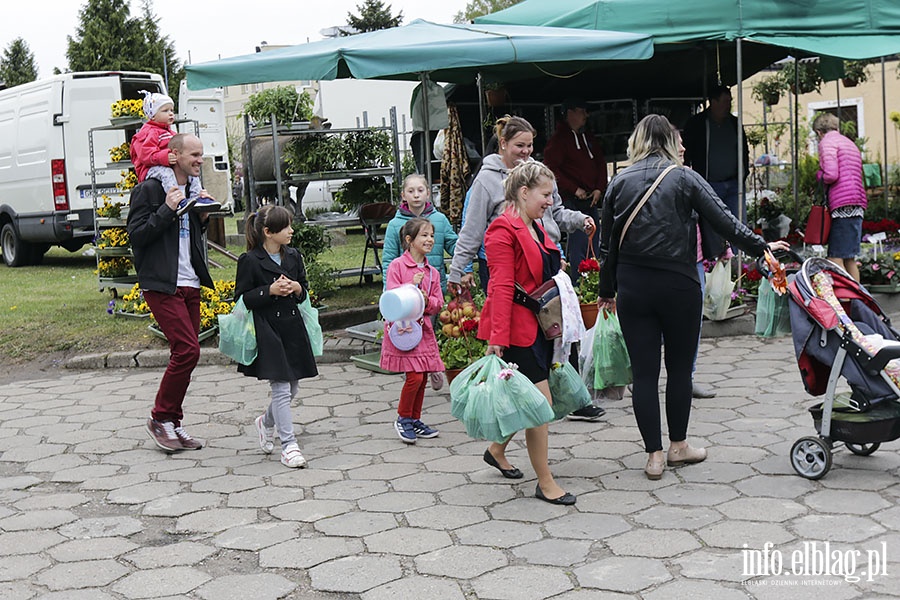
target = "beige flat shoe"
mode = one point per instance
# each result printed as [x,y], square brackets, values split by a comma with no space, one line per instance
[686,455]
[654,469]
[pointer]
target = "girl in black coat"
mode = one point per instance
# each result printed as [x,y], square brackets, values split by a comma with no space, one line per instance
[271,278]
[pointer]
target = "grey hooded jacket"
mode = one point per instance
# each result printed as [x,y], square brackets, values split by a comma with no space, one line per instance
[486,204]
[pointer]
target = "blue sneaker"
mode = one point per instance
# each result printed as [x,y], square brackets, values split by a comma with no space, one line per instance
[206,205]
[185,205]
[405,429]
[424,431]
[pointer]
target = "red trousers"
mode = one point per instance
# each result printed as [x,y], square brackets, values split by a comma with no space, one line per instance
[412,395]
[178,316]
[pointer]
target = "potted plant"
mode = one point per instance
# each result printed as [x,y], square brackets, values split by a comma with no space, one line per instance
[457,334]
[215,302]
[495,94]
[588,289]
[880,274]
[126,111]
[808,75]
[284,101]
[768,89]
[855,72]
[132,306]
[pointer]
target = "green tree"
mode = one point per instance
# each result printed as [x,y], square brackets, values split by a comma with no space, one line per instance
[478,8]
[17,65]
[373,15]
[108,38]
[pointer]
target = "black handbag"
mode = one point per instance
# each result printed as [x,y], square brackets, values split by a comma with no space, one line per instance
[544,302]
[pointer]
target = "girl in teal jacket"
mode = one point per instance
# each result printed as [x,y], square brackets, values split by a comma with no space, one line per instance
[415,202]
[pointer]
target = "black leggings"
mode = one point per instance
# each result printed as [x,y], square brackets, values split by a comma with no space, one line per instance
[654,303]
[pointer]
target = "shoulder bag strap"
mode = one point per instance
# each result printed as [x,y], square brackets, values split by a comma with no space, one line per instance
[643,201]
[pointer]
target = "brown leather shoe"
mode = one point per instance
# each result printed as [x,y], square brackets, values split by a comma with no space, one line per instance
[188,442]
[654,469]
[686,455]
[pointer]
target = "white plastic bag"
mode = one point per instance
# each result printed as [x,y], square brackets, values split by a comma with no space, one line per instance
[719,286]
[586,358]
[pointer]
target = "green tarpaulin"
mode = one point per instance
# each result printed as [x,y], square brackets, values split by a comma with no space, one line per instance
[453,53]
[852,29]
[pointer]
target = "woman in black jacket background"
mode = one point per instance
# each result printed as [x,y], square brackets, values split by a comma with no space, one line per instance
[654,269]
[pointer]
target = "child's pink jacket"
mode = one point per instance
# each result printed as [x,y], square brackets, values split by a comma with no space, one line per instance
[150,147]
[426,357]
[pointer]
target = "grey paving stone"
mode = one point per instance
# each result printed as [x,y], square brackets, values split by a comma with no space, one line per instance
[306,552]
[85,574]
[586,526]
[447,517]
[354,573]
[459,562]
[407,541]
[170,555]
[143,492]
[415,588]
[678,590]
[47,501]
[227,484]
[561,553]
[256,535]
[21,567]
[735,534]
[696,494]
[350,490]
[714,472]
[427,482]
[356,524]
[845,502]
[29,541]
[182,504]
[838,528]
[86,594]
[20,482]
[260,586]
[715,565]
[521,583]
[156,583]
[614,502]
[214,520]
[91,549]
[396,502]
[37,519]
[788,486]
[102,527]
[761,509]
[264,497]
[659,543]
[499,534]
[84,473]
[622,574]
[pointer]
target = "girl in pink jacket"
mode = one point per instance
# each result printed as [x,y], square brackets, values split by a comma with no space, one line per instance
[840,168]
[417,239]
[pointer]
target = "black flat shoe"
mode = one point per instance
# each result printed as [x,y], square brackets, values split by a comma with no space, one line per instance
[513,473]
[566,499]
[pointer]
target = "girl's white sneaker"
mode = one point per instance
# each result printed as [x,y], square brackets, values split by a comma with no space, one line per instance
[266,436]
[291,457]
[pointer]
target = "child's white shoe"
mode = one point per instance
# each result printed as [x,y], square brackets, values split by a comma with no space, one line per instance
[291,457]
[266,436]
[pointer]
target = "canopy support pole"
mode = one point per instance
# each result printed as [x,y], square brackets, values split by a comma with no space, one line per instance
[479,81]
[426,136]
[740,132]
[884,120]
[795,139]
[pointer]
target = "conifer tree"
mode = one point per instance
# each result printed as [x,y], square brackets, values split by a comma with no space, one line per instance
[17,65]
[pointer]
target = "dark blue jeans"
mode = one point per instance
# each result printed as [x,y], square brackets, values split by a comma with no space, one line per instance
[728,192]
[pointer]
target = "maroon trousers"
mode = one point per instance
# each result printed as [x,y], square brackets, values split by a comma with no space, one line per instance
[178,316]
[412,395]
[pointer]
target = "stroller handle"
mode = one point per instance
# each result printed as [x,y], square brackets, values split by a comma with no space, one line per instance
[763,268]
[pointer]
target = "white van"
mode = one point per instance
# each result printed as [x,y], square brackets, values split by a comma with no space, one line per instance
[207,108]
[45,172]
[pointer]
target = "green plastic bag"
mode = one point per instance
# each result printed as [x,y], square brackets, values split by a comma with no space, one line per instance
[494,401]
[313,329]
[567,390]
[612,365]
[773,312]
[237,334]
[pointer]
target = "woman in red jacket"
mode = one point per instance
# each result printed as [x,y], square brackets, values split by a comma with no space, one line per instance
[519,251]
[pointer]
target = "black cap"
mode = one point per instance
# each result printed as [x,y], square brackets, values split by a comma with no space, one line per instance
[573,103]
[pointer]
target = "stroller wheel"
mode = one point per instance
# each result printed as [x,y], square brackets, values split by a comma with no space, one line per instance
[862,449]
[811,457]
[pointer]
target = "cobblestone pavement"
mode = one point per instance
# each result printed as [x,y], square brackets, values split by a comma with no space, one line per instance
[89,509]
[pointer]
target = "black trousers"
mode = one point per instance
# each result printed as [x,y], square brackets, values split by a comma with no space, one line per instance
[654,304]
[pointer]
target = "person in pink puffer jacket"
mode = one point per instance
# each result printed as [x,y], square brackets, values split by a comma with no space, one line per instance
[840,168]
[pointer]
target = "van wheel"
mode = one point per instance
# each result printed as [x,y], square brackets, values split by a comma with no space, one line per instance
[15,252]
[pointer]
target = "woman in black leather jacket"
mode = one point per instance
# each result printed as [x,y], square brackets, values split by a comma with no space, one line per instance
[654,269]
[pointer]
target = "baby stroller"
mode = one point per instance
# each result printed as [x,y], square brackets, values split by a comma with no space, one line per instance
[840,331]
